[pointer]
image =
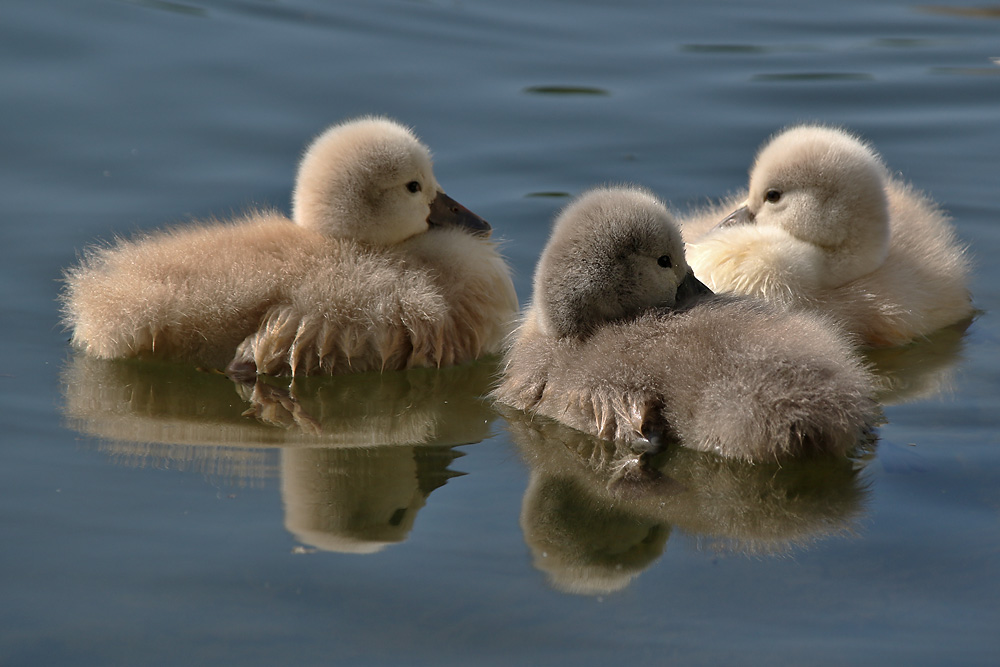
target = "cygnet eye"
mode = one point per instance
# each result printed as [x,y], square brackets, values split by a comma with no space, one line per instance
[413,186]
[772,196]
[664,261]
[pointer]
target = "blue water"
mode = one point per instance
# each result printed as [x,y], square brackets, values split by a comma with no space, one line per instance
[144,520]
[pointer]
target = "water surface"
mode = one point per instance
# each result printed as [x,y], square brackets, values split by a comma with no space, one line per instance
[146,520]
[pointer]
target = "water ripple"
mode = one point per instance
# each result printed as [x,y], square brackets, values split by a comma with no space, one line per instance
[724,48]
[814,76]
[565,90]
[966,71]
[551,193]
[167,6]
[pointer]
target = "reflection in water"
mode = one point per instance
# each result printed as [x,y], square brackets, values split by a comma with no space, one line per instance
[920,370]
[595,516]
[223,466]
[144,401]
[359,500]
[965,12]
[360,453]
[592,529]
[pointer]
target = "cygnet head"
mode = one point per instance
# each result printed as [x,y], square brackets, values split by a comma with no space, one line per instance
[614,253]
[825,187]
[371,180]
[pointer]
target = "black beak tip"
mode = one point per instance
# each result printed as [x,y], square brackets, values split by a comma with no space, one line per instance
[690,291]
[446,212]
[480,227]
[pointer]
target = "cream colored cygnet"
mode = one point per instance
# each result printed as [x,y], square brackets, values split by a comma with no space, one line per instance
[377,269]
[825,227]
[622,342]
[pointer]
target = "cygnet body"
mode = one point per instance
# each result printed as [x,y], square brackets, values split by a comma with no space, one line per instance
[622,342]
[376,270]
[824,227]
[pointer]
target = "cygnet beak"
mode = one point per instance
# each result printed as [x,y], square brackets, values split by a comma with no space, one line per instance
[689,291]
[741,216]
[446,212]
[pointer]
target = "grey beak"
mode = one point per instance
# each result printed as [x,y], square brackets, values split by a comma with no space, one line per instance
[741,216]
[446,212]
[689,291]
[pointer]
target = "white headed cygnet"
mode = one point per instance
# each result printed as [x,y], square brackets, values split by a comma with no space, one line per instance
[377,270]
[825,227]
[622,342]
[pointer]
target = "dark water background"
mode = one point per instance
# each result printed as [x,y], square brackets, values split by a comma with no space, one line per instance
[143,520]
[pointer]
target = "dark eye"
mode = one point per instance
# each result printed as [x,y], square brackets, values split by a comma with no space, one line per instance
[413,186]
[772,196]
[664,261]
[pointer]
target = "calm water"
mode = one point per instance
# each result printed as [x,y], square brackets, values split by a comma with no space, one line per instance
[144,520]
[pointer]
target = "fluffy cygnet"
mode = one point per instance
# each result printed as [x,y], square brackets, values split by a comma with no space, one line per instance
[621,341]
[376,270]
[825,227]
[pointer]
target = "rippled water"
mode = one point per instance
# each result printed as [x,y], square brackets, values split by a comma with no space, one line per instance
[146,520]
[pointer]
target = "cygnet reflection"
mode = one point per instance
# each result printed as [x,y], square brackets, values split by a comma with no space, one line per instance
[921,370]
[594,521]
[362,499]
[141,401]
[359,453]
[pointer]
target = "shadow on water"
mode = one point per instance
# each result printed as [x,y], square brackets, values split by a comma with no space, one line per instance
[359,454]
[594,522]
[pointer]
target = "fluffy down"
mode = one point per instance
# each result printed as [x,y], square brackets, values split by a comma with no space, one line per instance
[379,270]
[824,227]
[730,375]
